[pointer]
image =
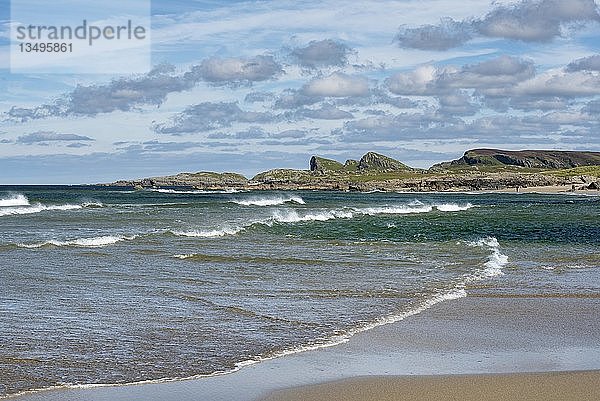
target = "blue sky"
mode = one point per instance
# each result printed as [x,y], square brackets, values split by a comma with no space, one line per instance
[247,86]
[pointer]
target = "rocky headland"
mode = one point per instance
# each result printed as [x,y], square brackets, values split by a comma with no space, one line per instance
[476,170]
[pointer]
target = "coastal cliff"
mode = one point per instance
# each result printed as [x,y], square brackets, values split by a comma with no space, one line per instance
[477,169]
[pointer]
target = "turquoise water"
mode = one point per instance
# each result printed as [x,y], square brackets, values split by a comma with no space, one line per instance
[105,285]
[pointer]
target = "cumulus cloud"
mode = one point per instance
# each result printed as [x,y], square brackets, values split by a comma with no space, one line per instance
[591,63]
[457,103]
[237,70]
[529,21]
[536,21]
[292,99]
[420,81]
[208,116]
[449,33]
[128,93]
[50,136]
[123,94]
[337,85]
[553,83]
[348,89]
[500,72]
[403,126]
[322,53]
[491,129]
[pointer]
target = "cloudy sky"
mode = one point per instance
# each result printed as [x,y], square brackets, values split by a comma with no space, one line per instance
[247,86]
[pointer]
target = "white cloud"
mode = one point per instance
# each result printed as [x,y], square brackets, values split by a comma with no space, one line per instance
[238,69]
[337,85]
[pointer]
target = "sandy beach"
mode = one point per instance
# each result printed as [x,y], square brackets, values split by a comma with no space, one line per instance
[548,189]
[473,335]
[562,386]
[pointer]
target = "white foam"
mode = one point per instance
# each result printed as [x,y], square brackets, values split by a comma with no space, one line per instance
[92,204]
[196,191]
[292,216]
[36,208]
[14,200]
[93,242]
[400,209]
[452,207]
[496,261]
[184,256]
[269,201]
[220,232]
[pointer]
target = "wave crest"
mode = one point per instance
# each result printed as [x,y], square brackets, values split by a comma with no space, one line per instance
[269,201]
[14,200]
[93,242]
[496,261]
[219,232]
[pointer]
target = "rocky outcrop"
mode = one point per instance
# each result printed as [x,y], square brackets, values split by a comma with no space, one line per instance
[540,159]
[499,170]
[321,164]
[376,162]
[200,180]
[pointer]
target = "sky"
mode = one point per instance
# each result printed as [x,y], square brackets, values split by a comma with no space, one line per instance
[246,86]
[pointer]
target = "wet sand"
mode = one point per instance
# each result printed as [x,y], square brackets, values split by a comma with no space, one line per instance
[553,386]
[472,335]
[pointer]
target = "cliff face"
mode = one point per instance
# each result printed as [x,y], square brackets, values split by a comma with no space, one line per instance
[542,159]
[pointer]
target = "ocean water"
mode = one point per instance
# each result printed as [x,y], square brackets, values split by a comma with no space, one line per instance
[104,285]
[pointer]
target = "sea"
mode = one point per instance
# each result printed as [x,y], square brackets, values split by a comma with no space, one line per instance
[103,285]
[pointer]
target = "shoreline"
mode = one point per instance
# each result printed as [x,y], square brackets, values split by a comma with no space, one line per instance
[544,189]
[471,335]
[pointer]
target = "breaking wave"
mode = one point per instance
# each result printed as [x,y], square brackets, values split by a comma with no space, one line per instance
[291,216]
[414,207]
[218,232]
[195,191]
[14,200]
[93,242]
[35,209]
[269,201]
[496,261]
[452,207]
[19,204]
